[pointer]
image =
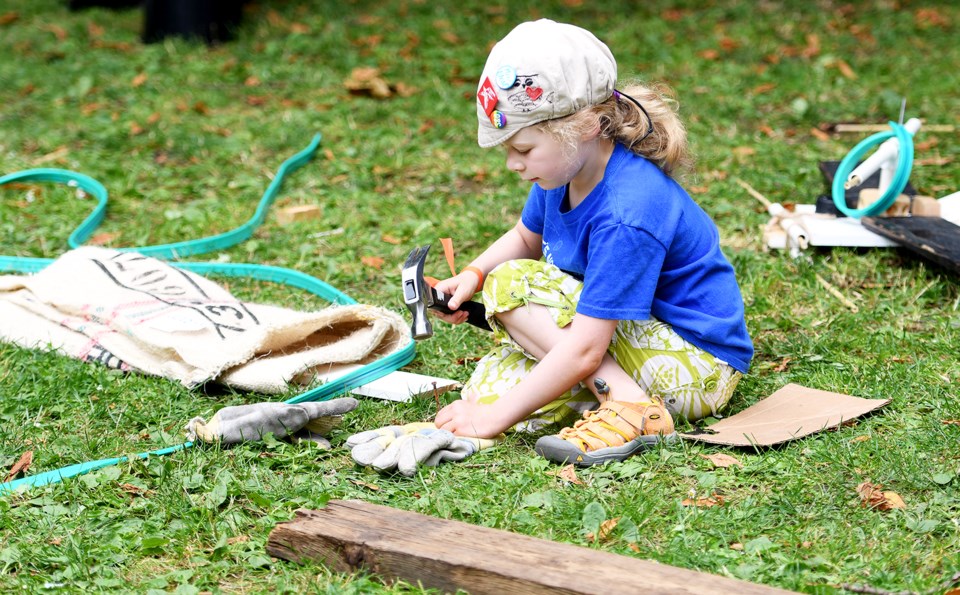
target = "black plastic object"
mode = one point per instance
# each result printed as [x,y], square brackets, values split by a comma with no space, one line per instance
[825,202]
[212,21]
[933,238]
[115,4]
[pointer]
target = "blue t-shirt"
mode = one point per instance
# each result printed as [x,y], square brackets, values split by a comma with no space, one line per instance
[644,248]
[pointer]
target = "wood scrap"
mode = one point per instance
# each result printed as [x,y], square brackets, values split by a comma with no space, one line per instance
[449,555]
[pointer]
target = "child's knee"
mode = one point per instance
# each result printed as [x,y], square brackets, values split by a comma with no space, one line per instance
[519,282]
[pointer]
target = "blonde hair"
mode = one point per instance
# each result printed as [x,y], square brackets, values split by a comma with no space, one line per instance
[621,121]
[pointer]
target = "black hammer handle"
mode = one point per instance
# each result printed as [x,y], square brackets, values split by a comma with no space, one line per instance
[476,313]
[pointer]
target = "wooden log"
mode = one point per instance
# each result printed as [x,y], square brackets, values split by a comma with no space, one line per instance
[350,535]
[289,215]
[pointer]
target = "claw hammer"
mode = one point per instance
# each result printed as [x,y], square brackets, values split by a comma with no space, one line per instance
[419,295]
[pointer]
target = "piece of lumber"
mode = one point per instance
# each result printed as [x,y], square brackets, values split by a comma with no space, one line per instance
[840,127]
[404,386]
[292,214]
[931,237]
[349,535]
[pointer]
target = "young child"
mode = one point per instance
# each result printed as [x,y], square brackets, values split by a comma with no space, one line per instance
[632,304]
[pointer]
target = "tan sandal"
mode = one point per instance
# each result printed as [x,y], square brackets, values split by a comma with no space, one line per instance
[613,432]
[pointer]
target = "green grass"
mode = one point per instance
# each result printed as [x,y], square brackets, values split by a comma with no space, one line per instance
[186,137]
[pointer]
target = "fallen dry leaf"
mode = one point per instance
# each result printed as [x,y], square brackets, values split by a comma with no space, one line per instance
[120,46]
[102,239]
[390,239]
[863,438]
[933,161]
[299,28]
[372,261]
[673,14]
[59,32]
[54,155]
[819,134]
[764,88]
[8,17]
[736,546]
[894,500]
[94,30]
[364,484]
[274,18]
[135,490]
[722,460]
[715,500]
[871,496]
[930,17]
[21,466]
[89,108]
[238,539]
[782,365]
[224,132]
[845,69]
[605,528]
[569,474]
[366,80]
[139,80]
[951,422]
[710,54]
[813,46]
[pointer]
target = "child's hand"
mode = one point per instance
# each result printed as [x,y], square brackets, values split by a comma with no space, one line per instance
[467,418]
[461,288]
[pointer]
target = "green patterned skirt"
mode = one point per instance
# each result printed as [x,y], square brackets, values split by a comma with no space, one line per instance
[692,382]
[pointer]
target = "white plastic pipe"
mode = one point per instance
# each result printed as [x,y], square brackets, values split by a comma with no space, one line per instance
[884,159]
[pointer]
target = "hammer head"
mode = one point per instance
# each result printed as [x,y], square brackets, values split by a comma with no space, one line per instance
[416,293]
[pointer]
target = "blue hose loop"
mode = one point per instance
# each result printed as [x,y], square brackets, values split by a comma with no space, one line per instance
[897,184]
[365,373]
[74,180]
[168,251]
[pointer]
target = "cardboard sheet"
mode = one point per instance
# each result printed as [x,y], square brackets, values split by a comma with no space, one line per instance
[792,412]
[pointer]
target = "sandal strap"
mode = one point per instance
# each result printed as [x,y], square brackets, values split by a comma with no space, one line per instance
[614,423]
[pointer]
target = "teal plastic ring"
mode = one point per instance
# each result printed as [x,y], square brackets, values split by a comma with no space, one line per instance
[897,184]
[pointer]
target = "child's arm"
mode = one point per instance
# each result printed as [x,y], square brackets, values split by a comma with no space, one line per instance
[575,354]
[518,242]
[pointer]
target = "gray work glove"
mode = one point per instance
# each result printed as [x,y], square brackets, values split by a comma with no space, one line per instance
[235,424]
[405,448]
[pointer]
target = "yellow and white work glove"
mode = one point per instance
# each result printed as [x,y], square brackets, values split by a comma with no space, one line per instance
[240,423]
[405,448]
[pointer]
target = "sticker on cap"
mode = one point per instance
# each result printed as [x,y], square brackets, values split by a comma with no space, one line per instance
[487,96]
[498,119]
[505,76]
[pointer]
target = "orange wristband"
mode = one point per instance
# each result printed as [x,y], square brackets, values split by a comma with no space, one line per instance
[478,273]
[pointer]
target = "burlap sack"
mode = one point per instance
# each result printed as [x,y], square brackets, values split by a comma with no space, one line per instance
[136,313]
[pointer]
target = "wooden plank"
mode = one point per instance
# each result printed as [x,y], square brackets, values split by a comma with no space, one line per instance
[350,535]
[288,215]
[931,237]
[404,386]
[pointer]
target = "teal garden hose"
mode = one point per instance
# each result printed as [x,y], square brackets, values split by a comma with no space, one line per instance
[364,374]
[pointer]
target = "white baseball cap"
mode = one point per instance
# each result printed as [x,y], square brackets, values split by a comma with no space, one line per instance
[541,70]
